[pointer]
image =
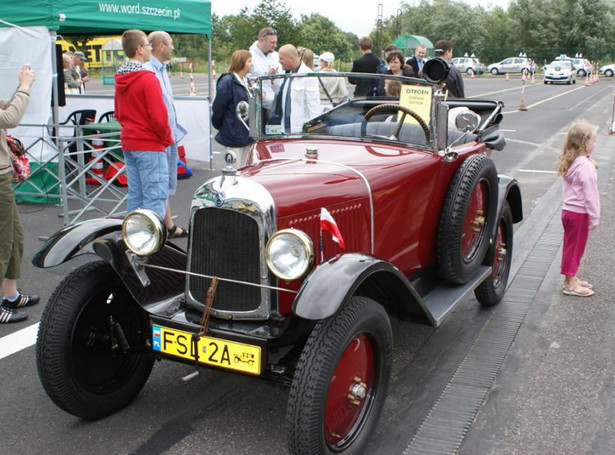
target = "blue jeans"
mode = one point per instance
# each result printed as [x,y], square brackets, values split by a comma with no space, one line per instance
[148,181]
[172,160]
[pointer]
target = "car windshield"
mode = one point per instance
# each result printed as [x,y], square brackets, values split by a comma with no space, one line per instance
[560,64]
[341,104]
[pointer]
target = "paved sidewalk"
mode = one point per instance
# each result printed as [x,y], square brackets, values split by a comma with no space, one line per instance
[555,392]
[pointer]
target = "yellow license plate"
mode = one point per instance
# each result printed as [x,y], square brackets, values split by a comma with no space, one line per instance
[216,352]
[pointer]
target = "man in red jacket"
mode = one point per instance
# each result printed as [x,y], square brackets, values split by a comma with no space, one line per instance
[140,109]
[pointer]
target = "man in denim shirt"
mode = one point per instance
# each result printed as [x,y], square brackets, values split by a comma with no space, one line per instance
[162,47]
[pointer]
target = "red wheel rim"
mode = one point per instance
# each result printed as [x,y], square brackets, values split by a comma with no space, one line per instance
[350,392]
[475,221]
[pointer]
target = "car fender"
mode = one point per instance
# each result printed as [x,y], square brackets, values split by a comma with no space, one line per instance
[74,240]
[334,282]
[103,237]
[509,191]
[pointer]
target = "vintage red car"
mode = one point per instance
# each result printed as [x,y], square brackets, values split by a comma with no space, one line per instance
[296,262]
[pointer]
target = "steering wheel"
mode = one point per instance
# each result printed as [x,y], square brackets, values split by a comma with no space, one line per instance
[382,108]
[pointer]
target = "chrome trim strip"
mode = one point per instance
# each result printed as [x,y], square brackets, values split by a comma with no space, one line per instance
[365,181]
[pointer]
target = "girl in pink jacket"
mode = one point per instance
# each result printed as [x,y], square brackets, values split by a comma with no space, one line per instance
[581,210]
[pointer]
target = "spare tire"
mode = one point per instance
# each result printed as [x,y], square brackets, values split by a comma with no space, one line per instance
[467,219]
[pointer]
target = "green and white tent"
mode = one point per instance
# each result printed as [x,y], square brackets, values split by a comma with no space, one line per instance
[94,17]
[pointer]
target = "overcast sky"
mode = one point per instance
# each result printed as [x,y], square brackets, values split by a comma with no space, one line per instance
[356,16]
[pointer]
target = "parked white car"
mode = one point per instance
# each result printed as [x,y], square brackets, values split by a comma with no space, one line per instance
[511,65]
[583,66]
[469,65]
[560,71]
[607,70]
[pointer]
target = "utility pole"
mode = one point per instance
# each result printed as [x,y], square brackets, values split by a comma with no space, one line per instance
[379,31]
[399,22]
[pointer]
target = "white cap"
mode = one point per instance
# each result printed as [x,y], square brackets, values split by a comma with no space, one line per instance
[327,57]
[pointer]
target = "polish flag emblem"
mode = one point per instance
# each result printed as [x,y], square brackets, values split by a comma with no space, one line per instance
[327,223]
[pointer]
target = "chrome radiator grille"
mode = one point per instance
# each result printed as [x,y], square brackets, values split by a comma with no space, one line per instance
[226,244]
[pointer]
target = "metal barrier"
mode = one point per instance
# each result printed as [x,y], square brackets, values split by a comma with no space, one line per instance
[71,172]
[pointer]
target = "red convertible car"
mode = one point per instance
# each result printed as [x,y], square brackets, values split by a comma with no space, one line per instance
[348,212]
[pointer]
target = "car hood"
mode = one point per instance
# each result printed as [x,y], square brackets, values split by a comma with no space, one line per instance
[316,183]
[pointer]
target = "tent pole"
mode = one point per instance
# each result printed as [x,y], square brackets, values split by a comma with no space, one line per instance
[55,115]
[211,152]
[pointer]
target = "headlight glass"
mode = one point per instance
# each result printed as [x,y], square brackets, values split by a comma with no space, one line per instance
[290,254]
[143,232]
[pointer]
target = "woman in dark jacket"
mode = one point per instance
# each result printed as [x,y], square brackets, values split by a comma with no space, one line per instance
[232,87]
[397,67]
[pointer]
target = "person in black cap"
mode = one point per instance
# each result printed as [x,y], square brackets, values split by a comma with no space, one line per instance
[78,59]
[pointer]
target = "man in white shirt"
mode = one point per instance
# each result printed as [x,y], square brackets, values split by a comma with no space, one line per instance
[266,61]
[298,99]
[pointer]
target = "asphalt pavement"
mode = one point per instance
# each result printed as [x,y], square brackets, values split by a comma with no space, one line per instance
[555,391]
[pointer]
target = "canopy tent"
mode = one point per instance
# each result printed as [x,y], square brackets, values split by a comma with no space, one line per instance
[408,43]
[68,17]
[28,31]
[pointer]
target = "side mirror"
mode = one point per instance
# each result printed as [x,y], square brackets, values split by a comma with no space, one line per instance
[242,112]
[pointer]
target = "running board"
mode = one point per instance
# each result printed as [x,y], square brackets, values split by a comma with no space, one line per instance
[444,297]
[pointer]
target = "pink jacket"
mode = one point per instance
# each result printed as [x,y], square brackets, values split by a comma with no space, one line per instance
[580,193]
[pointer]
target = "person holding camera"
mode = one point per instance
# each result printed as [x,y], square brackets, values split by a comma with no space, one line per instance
[12,238]
[453,83]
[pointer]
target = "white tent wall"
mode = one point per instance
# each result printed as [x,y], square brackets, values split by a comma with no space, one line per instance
[32,45]
[192,114]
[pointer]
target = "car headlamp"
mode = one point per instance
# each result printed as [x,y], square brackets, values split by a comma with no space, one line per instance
[289,254]
[143,232]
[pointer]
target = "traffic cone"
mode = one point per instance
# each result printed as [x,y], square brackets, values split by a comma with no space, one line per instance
[507,77]
[213,77]
[98,167]
[587,83]
[192,87]
[522,106]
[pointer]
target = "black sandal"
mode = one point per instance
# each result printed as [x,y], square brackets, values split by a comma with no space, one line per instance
[173,234]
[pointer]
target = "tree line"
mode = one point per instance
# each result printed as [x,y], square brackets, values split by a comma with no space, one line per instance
[540,28]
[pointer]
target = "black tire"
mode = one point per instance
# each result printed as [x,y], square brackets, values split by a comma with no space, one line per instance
[79,368]
[356,342]
[581,73]
[491,291]
[608,73]
[494,71]
[464,227]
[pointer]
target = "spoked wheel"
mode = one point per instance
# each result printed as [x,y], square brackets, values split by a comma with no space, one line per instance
[393,108]
[341,380]
[467,219]
[91,344]
[491,291]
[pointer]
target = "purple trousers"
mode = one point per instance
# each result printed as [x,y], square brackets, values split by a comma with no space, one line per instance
[576,231]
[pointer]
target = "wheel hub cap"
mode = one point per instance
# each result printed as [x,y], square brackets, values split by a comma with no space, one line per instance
[358,391]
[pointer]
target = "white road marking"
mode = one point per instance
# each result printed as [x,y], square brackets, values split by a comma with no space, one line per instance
[536,171]
[15,342]
[523,142]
